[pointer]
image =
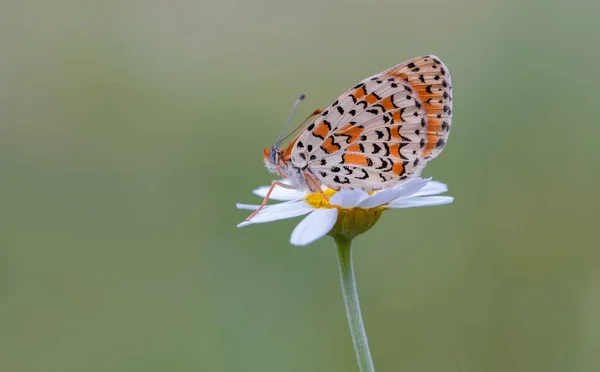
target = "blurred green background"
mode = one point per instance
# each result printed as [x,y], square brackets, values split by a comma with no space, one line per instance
[129,130]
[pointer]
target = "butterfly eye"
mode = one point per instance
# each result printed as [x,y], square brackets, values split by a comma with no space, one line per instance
[274,156]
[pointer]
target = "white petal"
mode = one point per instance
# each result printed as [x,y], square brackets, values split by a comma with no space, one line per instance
[280,193]
[250,207]
[348,198]
[432,188]
[424,201]
[401,191]
[314,226]
[279,212]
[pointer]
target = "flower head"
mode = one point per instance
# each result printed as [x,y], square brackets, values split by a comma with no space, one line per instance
[346,213]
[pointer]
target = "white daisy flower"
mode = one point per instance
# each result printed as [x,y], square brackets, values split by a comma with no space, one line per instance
[347,212]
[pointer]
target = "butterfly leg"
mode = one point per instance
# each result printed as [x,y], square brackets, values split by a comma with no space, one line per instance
[276,183]
[313,185]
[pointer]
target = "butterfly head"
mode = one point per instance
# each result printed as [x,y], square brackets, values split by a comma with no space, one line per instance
[273,158]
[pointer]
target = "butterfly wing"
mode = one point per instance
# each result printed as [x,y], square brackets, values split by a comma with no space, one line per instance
[382,130]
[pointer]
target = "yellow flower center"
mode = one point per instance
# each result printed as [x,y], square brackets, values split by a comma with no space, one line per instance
[350,221]
[318,200]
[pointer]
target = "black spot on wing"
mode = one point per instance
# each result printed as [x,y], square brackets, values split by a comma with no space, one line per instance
[402,112]
[364,176]
[387,149]
[378,106]
[389,133]
[337,179]
[359,85]
[386,164]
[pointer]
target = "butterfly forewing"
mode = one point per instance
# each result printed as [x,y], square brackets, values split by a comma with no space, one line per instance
[382,130]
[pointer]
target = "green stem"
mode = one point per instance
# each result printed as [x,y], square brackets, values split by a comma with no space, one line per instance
[357,329]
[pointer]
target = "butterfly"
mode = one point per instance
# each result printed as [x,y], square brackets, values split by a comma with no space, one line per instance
[377,134]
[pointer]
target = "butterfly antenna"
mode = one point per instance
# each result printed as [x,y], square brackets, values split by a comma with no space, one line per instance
[316,112]
[280,138]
